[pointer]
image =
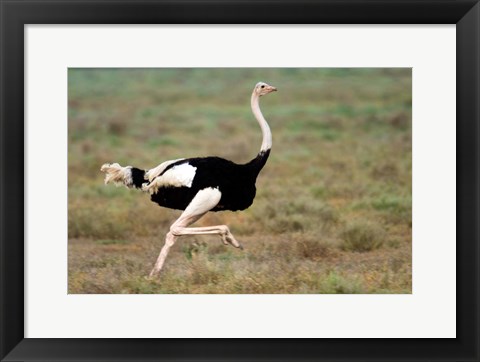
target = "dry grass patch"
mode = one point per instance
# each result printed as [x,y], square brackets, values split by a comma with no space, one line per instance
[362,237]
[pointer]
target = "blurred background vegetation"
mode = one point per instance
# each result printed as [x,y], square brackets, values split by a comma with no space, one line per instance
[333,212]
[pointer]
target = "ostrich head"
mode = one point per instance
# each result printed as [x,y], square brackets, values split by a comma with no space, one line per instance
[262,88]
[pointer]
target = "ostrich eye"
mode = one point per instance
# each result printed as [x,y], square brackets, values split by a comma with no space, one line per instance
[262,86]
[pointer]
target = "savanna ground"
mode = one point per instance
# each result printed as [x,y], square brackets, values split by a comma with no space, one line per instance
[333,207]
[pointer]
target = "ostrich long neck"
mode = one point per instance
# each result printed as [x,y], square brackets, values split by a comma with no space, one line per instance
[266,133]
[258,162]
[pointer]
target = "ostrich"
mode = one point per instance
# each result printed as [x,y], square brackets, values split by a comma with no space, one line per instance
[198,185]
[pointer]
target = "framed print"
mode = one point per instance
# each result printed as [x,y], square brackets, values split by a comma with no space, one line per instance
[348,233]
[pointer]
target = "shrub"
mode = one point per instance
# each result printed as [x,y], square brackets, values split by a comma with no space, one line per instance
[312,248]
[337,284]
[362,237]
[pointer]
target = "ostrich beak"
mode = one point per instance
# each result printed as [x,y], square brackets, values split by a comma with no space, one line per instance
[272,89]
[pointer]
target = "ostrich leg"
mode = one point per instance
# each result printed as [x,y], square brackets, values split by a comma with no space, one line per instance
[203,201]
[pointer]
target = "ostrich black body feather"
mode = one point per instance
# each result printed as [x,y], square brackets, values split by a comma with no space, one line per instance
[235,182]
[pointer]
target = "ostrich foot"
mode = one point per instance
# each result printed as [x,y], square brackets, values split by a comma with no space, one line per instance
[228,238]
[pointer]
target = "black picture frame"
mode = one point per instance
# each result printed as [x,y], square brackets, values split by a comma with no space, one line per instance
[15,14]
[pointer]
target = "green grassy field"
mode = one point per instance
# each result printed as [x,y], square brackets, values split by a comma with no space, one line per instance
[333,206]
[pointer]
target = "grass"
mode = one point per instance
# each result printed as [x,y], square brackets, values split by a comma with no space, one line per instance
[333,207]
[362,236]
